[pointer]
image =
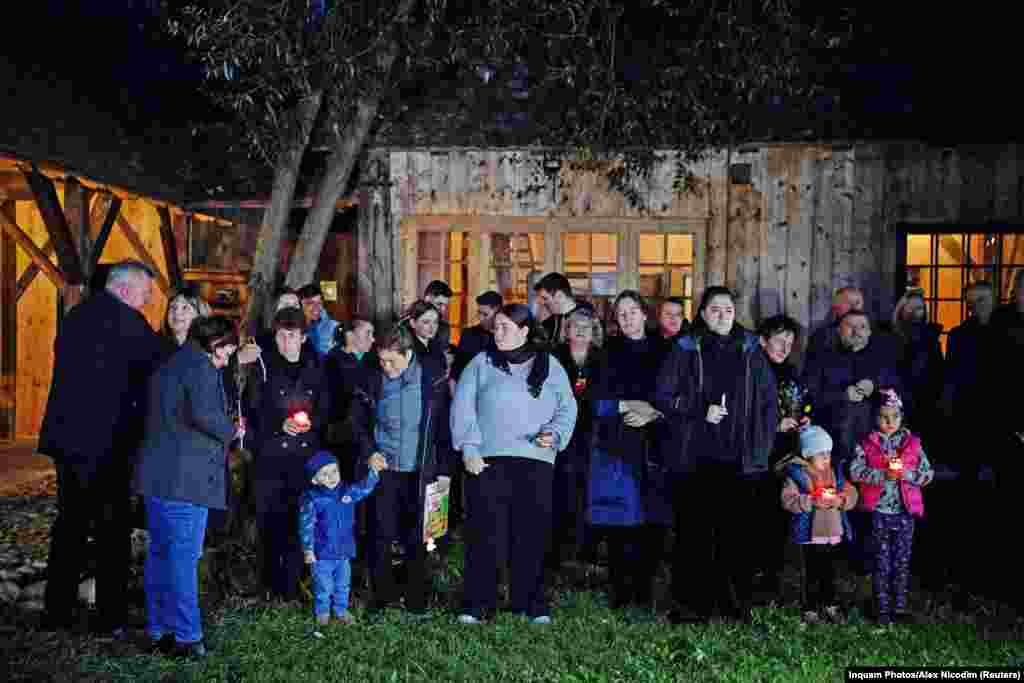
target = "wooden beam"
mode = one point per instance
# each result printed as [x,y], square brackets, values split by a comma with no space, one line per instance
[10,226]
[76,214]
[57,225]
[140,250]
[14,187]
[109,207]
[170,248]
[8,332]
[30,273]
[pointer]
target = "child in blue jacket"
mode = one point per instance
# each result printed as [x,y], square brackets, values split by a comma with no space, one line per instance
[326,530]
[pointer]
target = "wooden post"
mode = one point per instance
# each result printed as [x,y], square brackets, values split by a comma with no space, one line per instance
[170,248]
[105,211]
[140,250]
[8,331]
[31,271]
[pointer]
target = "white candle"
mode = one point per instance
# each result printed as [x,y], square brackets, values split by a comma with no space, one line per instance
[723,401]
[301,419]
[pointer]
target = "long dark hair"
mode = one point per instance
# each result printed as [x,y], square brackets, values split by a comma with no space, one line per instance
[345,327]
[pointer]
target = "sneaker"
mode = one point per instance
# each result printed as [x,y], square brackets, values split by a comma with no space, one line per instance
[468,619]
[345,618]
[323,619]
[885,620]
[542,620]
[164,645]
[811,617]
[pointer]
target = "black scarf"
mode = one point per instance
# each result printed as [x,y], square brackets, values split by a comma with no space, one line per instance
[538,373]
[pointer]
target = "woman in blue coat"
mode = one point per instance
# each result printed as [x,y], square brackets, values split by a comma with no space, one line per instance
[623,443]
[181,475]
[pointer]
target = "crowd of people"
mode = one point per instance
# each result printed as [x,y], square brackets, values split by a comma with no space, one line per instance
[559,434]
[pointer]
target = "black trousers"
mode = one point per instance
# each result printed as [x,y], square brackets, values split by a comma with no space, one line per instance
[713,559]
[634,554]
[393,513]
[277,509]
[92,500]
[508,515]
[819,575]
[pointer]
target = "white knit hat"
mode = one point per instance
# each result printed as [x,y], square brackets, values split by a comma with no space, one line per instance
[814,440]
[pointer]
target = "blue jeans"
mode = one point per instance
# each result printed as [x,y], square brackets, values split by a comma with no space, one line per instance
[176,531]
[331,582]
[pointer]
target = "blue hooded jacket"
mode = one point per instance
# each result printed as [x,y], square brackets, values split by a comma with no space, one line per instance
[327,516]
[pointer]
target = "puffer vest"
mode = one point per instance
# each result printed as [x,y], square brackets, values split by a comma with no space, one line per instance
[878,458]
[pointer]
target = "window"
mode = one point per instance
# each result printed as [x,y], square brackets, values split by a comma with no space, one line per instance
[666,269]
[513,257]
[443,256]
[943,264]
[591,262]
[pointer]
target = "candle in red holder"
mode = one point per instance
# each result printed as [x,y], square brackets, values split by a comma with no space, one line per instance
[828,494]
[301,418]
[896,464]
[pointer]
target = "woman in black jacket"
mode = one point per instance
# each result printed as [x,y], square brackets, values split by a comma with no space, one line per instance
[181,475]
[287,407]
[580,355]
[718,393]
[398,417]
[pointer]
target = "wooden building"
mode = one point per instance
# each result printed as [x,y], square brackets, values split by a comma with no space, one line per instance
[785,224]
[59,228]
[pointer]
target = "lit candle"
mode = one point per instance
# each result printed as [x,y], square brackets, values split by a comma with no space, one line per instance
[896,464]
[301,418]
[828,494]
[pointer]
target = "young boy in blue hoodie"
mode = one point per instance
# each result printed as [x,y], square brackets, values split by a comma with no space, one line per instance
[326,530]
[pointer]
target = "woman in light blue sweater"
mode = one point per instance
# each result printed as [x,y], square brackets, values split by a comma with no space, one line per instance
[514,411]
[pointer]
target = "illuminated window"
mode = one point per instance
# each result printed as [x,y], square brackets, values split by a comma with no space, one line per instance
[666,269]
[943,264]
[514,256]
[443,256]
[590,260]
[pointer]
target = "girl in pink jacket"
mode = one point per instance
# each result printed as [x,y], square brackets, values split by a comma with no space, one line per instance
[890,466]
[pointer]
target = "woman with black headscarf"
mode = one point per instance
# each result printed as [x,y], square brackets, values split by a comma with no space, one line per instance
[513,412]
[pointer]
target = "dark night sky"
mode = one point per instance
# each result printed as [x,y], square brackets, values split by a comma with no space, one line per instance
[915,72]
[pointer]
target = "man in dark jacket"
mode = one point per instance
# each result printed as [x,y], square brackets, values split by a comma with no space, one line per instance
[477,338]
[103,356]
[718,394]
[287,413]
[826,337]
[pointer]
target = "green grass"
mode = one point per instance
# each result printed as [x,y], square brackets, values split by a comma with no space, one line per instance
[588,642]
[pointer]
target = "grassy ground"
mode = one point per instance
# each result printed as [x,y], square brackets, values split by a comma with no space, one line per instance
[252,641]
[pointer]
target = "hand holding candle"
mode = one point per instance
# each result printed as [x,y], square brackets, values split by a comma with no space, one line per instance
[895,470]
[716,412]
[297,423]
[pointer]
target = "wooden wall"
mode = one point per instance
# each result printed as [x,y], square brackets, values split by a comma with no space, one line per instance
[36,310]
[814,217]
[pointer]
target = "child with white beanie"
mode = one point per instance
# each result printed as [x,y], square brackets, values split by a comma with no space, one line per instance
[818,496]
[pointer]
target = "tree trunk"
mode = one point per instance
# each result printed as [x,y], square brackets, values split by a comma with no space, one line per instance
[335,179]
[275,217]
[347,146]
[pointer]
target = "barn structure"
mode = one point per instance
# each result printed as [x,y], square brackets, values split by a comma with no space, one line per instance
[785,224]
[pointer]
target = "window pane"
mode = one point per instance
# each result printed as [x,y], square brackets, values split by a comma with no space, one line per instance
[456,246]
[455,277]
[606,269]
[920,278]
[680,282]
[537,247]
[919,249]
[951,284]
[680,249]
[1013,250]
[431,246]
[651,284]
[982,249]
[652,248]
[951,249]
[948,314]
[1006,276]
[576,247]
[605,248]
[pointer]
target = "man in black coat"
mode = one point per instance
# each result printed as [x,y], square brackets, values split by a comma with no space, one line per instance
[103,356]
[477,338]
